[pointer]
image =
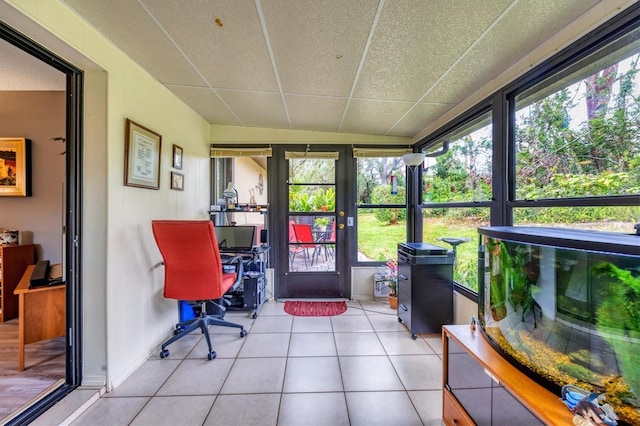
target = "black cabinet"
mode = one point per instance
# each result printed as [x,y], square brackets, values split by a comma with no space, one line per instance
[425,287]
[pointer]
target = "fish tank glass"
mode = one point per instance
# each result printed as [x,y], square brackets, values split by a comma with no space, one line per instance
[563,305]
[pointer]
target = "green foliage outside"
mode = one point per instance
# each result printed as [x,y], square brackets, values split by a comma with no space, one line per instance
[311,199]
[378,240]
[382,195]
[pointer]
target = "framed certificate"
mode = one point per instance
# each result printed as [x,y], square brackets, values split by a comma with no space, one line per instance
[141,156]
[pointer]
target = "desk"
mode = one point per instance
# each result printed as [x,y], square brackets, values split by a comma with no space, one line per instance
[254,280]
[41,313]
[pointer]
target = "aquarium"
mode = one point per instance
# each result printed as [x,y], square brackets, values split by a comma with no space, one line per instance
[563,305]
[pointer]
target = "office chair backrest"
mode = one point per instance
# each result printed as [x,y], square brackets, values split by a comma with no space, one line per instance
[192,263]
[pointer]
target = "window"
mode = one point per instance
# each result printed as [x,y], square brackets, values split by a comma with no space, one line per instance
[381,201]
[312,191]
[463,172]
[578,137]
[456,194]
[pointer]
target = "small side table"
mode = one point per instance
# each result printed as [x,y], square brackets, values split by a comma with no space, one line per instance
[41,313]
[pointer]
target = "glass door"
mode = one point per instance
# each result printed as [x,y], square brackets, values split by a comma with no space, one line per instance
[316,225]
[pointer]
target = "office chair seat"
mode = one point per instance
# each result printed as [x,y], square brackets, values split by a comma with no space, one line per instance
[193,271]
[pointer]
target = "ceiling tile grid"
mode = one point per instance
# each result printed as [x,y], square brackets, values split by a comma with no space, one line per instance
[317,113]
[231,56]
[375,115]
[377,67]
[318,45]
[416,42]
[206,103]
[130,27]
[257,109]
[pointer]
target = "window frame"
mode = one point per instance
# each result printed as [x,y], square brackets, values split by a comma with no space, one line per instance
[502,106]
[372,206]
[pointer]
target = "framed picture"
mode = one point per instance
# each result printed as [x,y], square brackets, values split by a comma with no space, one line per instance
[141,156]
[177,181]
[15,167]
[177,157]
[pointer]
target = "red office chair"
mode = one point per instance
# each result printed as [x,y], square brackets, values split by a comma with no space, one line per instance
[193,271]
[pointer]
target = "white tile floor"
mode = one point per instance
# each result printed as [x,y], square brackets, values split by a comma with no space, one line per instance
[359,368]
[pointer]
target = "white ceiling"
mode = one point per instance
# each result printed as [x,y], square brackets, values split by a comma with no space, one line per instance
[21,71]
[380,67]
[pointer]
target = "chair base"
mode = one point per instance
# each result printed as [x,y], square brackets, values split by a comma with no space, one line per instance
[202,322]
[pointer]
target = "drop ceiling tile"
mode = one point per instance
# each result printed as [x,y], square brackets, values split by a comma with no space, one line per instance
[372,117]
[130,28]
[415,42]
[231,56]
[317,44]
[257,109]
[491,56]
[418,118]
[419,52]
[570,31]
[315,112]
[205,102]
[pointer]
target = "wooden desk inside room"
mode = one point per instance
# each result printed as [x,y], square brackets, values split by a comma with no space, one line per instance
[41,313]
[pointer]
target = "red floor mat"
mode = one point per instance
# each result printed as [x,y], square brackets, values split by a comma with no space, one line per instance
[314,309]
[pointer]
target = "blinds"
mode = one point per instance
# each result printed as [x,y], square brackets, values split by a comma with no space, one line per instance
[302,155]
[380,152]
[318,155]
[239,152]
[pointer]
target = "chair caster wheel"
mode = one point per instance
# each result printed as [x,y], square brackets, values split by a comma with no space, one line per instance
[164,353]
[243,333]
[212,355]
[177,331]
[399,319]
[414,336]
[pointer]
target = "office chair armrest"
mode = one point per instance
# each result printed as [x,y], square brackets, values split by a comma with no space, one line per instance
[239,262]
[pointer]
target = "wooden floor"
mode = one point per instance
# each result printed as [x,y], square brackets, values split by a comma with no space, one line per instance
[44,366]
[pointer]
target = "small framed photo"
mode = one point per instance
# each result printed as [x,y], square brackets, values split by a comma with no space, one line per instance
[177,157]
[177,181]
[141,156]
[15,167]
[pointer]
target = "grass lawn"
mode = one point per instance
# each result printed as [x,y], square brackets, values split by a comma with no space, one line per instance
[378,241]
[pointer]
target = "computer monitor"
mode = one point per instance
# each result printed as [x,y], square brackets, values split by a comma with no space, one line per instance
[235,238]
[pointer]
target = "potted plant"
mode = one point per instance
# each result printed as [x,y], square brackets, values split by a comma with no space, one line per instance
[392,282]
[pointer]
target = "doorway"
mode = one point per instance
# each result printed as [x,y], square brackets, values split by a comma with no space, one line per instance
[314,221]
[62,247]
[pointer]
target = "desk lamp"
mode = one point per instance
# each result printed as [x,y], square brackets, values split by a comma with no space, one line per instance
[231,194]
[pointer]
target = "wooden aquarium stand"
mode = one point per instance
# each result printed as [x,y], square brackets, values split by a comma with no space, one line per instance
[481,387]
